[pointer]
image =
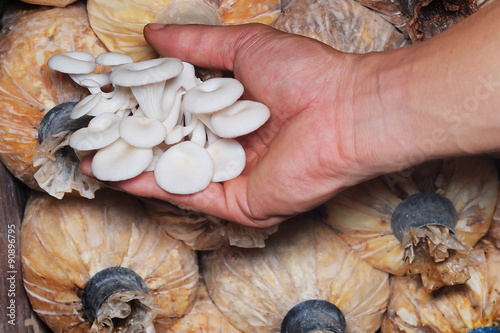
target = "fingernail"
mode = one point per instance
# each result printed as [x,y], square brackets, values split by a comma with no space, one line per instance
[156,26]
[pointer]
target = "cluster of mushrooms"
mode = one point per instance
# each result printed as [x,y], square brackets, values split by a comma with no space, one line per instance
[159,117]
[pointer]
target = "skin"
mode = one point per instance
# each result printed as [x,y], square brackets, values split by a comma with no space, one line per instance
[338,119]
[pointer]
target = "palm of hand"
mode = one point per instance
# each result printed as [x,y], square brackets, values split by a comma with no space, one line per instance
[287,168]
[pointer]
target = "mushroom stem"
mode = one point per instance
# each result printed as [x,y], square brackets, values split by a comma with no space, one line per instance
[423,209]
[117,297]
[314,315]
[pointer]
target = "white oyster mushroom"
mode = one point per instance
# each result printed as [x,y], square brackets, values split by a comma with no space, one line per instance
[184,81]
[199,135]
[212,95]
[95,104]
[174,89]
[175,135]
[100,132]
[147,79]
[185,168]
[229,159]
[157,152]
[113,59]
[85,105]
[95,83]
[181,131]
[72,62]
[120,161]
[239,119]
[78,65]
[175,115]
[142,132]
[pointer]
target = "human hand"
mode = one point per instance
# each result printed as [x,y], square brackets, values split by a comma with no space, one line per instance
[307,151]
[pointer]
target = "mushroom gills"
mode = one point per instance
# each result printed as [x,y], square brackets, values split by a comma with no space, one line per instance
[58,120]
[312,316]
[117,298]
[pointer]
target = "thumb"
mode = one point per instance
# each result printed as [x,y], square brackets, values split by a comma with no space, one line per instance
[204,46]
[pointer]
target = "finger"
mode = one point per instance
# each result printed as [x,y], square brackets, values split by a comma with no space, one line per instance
[86,165]
[204,46]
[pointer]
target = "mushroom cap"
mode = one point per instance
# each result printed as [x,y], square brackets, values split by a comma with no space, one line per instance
[120,161]
[100,132]
[239,119]
[175,135]
[113,59]
[185,168]
[72,62]
[142,132]
[229,159]
[85,105]
[146,72]
[212,95]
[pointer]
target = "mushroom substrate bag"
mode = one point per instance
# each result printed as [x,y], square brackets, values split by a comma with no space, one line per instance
[204,232]
[343,24]
[304,260]
[29,89]
[362,217]
[119,24]
[204,317]
[493,234]
[65,243]
[458,308]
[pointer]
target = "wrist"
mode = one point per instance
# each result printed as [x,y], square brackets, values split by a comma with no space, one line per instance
[384,129]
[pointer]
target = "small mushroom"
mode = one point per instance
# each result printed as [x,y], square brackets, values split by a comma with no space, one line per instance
[98,102]
[79,65]
[100,132]
[229,159]
[120,161]
[174,90]
[174,116]
[184,169]
[239,119]
[73,62]
[95,84]
[180,131]
[312,316]
[212,95]
[199,134]
[147,79]
[86,105]
[142,132]
[113,59]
